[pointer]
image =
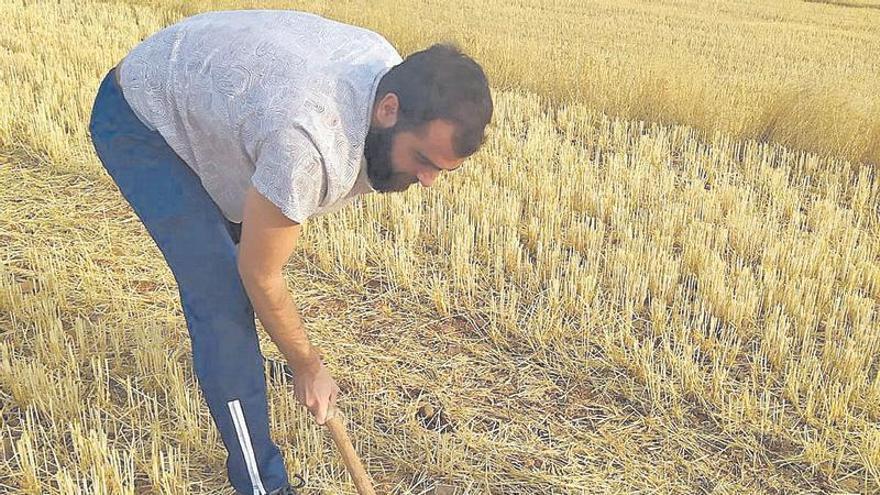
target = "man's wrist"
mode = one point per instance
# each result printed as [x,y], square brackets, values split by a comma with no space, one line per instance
[303,357]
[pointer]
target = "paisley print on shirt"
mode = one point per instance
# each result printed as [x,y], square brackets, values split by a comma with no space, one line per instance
[225,88]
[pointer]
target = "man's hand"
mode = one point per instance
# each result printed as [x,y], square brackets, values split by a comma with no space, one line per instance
[315,389]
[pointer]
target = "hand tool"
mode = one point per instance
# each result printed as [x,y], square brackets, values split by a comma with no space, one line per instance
[359,475]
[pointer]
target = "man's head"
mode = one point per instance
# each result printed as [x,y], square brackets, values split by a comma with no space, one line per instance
[430,113]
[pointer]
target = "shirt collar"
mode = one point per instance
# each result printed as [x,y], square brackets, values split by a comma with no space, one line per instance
[362,183]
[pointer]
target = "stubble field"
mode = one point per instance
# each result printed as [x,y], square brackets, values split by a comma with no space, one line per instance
[634,287]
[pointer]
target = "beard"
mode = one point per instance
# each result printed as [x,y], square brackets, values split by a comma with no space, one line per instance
[377,151]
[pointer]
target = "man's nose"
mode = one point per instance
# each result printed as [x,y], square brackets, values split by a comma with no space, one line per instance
[427,178]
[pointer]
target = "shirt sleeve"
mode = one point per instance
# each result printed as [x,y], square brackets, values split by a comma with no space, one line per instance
[289,172]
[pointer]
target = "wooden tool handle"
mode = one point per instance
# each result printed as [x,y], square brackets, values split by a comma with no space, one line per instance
[359,475]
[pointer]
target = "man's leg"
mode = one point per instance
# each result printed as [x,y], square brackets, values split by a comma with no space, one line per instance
[197,243]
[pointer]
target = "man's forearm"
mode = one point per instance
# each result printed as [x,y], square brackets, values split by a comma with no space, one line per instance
[277,310]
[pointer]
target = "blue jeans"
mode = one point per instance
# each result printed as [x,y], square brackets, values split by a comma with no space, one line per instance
[199,245]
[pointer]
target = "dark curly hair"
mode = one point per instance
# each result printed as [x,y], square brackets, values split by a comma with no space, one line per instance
[441,82]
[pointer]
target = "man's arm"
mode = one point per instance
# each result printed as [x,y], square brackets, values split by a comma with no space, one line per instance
[267,240]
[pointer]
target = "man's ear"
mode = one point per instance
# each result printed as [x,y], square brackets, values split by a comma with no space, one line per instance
[386,110]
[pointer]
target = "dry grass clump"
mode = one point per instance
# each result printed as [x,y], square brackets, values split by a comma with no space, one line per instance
[598,305]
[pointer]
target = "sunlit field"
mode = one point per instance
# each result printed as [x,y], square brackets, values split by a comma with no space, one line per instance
[660,275]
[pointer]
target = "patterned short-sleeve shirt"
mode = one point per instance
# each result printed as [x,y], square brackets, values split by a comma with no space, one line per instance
[277,99]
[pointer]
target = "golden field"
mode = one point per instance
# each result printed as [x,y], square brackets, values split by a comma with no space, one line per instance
[660,275]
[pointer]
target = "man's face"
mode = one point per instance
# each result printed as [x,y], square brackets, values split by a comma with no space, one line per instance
[398,159]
